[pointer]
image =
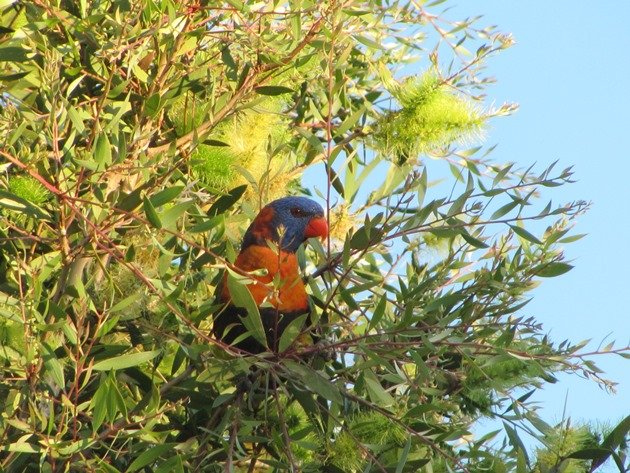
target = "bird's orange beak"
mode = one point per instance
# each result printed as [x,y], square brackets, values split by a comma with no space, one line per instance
[317,227]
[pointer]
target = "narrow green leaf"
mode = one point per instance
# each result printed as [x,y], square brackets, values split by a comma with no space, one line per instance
[102,151]
[312,139]
[126,361]
[291,332]
[273,90]
[402,460]
[421,186]
[316,382]
[74,447]
[525,234]
[13,54]
[151,214]
[214,142]
[335,181]
[515,440]
[172,465]
[12,77]
[13,202]
[99,404]
[153,105]
[504,210]
[241,297]
[501,174]
[228,60]
[572,238]
[225,202]
[375,390]
[618,434]
[165,196]
[594,454]
[111,322]
[173,214]
[377,315]
[472,240]
[206,225]
[52,365]
[149,456]
[350,121]
[369,42]
[21,447]
[553,269]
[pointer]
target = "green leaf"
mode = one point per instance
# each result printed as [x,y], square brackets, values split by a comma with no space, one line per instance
[291,332]
[172,465]
[515,440]
[21,447]
[149,456]
[375,390]
[13,54]
[207,224]
[312,140]
[102,151]
[173,214]
[99,404]
[525,234]
[71,448]
[377,315]
[458,204]
[612,441]
[553,269]
[617,436]
[214,142]
[153,105]
[501,174]
[53,366]
[472,240]
[13,202]
[151,214]
[350,121]
[273,90]
[225,202]
[402,460]
[594,454]
[572,238]
[316,382]
[165,196]
[369,42]
[504,210]
[12,77]
[123,304]
[241,297]
[126,361]
[335,181]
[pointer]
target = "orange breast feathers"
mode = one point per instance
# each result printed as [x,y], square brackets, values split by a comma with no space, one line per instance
[289,295]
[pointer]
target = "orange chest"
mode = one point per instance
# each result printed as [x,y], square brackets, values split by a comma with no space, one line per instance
[281,287]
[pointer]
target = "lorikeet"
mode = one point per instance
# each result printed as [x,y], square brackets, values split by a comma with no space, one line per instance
[286,223]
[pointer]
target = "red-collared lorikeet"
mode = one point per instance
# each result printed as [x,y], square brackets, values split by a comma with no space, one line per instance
[270,243]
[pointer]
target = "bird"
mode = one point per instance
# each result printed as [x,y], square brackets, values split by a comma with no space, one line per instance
[270,244]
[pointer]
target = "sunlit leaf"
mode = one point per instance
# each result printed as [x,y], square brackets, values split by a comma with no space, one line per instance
[126,361]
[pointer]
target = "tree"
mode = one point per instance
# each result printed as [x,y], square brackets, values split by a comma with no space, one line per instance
[141,137]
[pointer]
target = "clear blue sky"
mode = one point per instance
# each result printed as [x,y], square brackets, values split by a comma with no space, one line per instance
[569,72]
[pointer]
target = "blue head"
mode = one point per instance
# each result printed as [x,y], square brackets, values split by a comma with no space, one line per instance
[287,222]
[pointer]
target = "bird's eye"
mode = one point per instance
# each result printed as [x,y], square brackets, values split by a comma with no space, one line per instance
[298,212]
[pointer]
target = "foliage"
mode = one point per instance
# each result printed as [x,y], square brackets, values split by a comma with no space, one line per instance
[139,139]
